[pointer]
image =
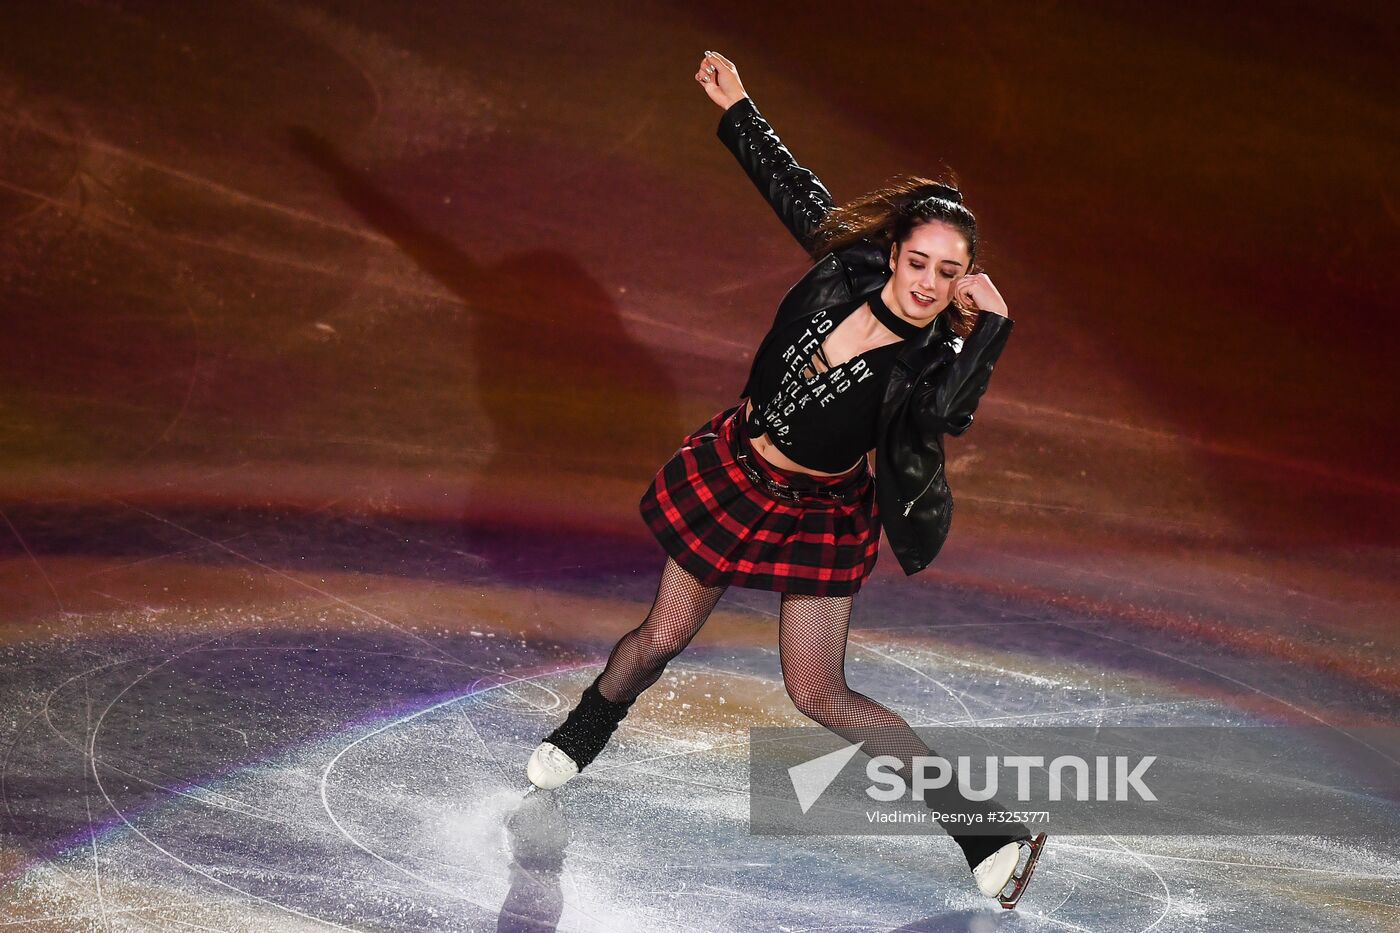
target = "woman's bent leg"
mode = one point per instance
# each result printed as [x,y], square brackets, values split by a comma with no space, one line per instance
[812,633]
[681,606]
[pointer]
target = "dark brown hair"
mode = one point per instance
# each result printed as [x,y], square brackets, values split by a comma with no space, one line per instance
[888,215]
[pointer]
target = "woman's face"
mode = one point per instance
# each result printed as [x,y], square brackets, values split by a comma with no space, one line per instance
[925,266]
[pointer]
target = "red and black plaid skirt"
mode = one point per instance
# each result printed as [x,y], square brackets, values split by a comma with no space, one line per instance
[730,517]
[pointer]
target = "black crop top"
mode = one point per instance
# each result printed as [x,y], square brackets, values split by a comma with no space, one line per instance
[824,420]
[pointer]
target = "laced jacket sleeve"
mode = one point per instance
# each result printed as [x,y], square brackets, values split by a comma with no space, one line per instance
[796,195]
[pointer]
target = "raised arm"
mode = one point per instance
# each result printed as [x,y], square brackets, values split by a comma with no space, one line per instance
[945,398]
[796,195]
[949,387]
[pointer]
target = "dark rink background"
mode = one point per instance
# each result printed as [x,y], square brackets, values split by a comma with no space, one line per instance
[340,341]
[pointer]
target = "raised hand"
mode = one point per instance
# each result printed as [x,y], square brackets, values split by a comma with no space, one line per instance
[975,292]
[720,79]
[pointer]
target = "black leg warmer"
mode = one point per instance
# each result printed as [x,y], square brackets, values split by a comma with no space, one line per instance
[589,727]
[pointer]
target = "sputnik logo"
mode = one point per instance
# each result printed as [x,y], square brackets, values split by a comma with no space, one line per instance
[811,778]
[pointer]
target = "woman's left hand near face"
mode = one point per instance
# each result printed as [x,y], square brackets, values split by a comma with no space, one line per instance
[976,292]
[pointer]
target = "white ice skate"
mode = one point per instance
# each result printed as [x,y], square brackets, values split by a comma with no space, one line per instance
[998,870]
[550,767]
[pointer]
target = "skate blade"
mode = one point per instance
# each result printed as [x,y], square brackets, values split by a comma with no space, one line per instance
[1019,881]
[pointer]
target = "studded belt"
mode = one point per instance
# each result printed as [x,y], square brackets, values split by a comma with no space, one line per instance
[846,493]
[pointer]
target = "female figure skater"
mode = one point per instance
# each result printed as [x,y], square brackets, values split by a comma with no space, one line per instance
[861,365]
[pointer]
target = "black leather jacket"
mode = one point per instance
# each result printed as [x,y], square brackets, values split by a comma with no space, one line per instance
[933,389]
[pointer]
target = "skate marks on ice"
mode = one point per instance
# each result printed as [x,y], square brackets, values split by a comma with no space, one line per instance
[206,771]
[314,779]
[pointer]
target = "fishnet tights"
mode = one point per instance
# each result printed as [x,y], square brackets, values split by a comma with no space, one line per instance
[812,635]
[681,606]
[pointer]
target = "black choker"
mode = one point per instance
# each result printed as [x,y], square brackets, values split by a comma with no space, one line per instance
[894,322]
